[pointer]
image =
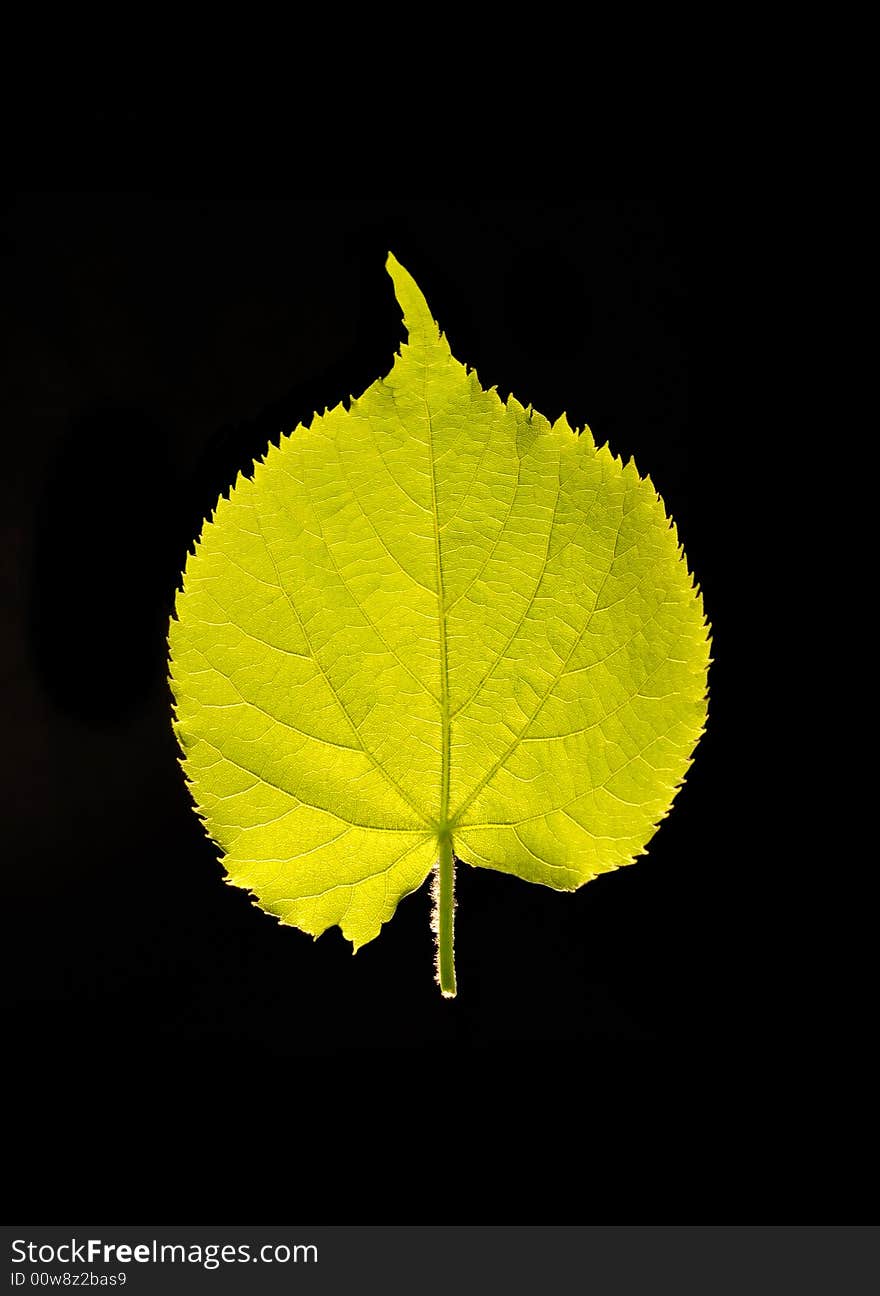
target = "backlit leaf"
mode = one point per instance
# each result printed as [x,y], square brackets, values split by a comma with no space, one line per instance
[433,625]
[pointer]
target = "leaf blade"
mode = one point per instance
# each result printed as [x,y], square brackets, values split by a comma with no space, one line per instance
[433,610]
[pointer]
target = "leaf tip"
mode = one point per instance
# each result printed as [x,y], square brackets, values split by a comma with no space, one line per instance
[417,317]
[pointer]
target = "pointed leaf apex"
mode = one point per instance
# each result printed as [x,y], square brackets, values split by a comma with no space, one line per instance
[416,313]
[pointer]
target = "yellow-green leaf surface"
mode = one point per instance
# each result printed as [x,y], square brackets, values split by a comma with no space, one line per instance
[433,626]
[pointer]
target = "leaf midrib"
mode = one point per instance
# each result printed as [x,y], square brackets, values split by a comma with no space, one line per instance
[441,617]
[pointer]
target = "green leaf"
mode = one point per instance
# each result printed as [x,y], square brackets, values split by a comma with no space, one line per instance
[433,626]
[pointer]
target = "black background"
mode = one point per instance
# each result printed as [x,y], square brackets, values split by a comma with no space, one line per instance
[155,343]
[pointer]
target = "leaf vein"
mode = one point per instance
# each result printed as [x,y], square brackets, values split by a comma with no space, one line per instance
[330,685]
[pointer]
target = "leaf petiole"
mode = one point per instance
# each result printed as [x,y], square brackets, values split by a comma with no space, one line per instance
[445,909]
